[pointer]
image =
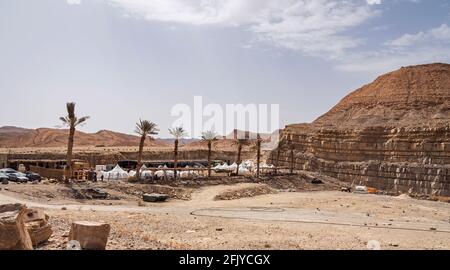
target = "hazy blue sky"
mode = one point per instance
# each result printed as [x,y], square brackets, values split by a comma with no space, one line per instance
[125,59]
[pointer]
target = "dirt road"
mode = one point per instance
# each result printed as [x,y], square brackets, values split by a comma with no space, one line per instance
[305,220]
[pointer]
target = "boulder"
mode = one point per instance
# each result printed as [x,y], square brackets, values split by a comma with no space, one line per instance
[153,197]
[13,233]
[36,222]
[91,235]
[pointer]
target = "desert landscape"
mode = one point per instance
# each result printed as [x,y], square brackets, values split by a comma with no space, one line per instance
[372,173]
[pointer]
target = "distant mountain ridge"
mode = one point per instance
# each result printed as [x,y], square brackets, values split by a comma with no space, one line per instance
[13,137]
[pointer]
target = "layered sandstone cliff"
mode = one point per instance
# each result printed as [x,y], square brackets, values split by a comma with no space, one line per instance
[393,134]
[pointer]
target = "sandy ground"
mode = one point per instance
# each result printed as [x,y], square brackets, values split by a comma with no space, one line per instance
[283,220]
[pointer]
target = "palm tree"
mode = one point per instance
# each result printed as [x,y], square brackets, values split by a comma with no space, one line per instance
[239,143]
[209,136]
[258,154]
[144,128]
[71,121]
[178,133]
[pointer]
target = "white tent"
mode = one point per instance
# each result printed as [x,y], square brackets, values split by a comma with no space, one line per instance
[232,166]
[184,174]
[159,174]
[223,166]
[243,171]
[146,174]
[116,174]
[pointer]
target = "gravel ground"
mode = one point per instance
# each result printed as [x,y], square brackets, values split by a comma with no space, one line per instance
[285,220]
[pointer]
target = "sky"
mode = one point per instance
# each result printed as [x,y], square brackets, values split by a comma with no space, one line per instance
[121,60]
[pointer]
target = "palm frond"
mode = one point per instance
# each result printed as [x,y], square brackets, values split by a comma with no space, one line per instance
[82,120]
[64,120]
[209,135]
[70,119]
[145,128]
[178,132]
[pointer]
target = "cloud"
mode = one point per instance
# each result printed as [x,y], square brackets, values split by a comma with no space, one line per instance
[319,28]
[313,27]
[435,35]
[374,2]
[432,45]
[73,2]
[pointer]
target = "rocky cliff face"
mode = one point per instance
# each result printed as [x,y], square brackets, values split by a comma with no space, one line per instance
[393,134]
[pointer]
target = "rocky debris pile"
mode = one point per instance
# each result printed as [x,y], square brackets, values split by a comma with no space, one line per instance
[13,233]
[138,190]
[90,235]
[154,197]
[245,192]
[92,194]
[22,227]
[36,222]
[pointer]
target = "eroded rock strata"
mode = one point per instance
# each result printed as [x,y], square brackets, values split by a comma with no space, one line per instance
[393,134]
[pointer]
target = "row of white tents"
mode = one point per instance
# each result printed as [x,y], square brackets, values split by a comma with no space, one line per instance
[246,168]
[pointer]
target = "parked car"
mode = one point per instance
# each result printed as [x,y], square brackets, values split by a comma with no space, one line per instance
[4,178]
[14,175]
[33,176]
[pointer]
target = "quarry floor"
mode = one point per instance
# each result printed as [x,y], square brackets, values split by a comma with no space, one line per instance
[275,219]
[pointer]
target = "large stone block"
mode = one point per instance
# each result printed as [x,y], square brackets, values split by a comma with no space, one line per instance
[13,233]
[36,222]
[91,235]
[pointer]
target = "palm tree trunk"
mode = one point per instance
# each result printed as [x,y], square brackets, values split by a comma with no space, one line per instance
[69,152]
[238,159]
[258,157]
[209,158]
[139,161]
[175,158]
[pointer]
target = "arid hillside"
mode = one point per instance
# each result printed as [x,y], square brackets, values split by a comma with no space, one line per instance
[47,137]
[408,97]
[392,134]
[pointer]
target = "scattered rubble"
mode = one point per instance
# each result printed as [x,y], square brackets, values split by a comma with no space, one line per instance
[92,194]
[245,192]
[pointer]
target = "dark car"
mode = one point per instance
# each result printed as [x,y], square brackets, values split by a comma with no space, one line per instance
[14,175]
[33,176]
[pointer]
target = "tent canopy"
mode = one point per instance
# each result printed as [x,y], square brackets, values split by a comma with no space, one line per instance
[116,174]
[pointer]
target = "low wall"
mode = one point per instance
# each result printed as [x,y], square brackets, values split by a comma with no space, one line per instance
[48,173]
